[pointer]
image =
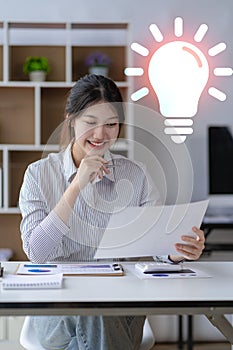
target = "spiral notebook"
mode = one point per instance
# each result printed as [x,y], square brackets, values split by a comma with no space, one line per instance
[32,282]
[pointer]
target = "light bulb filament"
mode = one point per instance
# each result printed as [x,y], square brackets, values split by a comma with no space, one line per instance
[194,54]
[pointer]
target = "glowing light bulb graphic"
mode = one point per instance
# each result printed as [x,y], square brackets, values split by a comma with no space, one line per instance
[178,72]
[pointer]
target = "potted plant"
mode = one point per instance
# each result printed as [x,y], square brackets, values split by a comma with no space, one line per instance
[98,63]
[37,67]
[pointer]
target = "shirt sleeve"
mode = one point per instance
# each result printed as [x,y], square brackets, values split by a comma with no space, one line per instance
[41,231]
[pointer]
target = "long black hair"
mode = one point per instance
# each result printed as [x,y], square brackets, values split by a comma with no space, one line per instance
[88,91]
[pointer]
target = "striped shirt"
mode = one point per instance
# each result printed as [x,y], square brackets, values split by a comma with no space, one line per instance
[45,236]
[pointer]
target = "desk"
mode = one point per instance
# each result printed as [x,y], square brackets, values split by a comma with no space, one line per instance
[129,295]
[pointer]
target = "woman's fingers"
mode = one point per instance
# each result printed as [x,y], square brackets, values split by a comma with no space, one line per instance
[193,247]
[91,167]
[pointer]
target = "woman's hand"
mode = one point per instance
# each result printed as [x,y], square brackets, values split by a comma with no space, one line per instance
[192,248]
[90,168]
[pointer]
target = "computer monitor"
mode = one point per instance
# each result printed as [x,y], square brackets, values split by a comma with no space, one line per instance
[220,166]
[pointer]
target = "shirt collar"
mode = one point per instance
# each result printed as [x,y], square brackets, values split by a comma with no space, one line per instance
[69,167]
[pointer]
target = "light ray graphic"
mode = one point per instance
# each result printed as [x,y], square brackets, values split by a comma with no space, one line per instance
[178,27]
[215,50]
[143,51]
[137,95]
[178,72]
[219,95]
[224,72]
[200,33]
[135,71]
[158,36]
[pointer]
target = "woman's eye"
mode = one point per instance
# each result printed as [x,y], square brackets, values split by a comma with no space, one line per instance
[111,125]
[90,123]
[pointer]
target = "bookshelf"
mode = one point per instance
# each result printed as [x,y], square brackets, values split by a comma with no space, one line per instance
[31,111]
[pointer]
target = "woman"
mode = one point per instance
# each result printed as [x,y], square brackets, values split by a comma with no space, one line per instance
[66,201]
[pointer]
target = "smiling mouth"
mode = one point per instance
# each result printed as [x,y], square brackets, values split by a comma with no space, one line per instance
[97,144]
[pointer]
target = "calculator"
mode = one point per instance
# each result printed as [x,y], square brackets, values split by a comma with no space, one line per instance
[157,267]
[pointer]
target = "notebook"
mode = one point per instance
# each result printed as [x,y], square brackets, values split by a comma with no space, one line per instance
[32,282]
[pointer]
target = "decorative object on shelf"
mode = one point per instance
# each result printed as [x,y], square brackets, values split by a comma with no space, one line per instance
[37,67]
[5,254]
[98,63]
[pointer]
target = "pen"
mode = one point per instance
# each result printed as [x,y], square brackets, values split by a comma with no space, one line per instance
[111,166]
[39,265]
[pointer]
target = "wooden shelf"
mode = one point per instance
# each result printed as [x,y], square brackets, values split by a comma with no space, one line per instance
[17,115]
[116,54]
[1,62]
[53,102]
[18,162]
[54,54]
[10,235]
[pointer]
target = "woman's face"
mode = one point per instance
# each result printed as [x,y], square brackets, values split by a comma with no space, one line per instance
[95,130]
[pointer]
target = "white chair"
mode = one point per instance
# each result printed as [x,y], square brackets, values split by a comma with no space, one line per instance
[28,337]
[29,340]
[148,338]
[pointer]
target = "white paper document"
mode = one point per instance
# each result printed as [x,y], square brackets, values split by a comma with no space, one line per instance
[149,231]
